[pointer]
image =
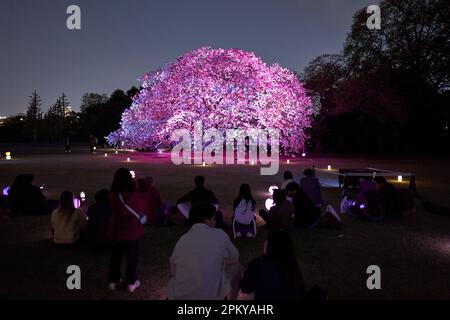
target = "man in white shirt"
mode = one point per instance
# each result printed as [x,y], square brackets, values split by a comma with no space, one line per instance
[205,263]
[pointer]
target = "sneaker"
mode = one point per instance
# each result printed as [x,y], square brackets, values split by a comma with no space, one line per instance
[133,287]
[113,285]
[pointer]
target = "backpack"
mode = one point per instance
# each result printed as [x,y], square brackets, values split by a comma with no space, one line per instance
[243,212]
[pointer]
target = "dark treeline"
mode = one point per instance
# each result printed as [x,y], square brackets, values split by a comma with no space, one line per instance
[99,115]
[388,91]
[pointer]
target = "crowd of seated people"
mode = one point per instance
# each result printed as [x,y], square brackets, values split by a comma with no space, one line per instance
[204,263]
[376,200]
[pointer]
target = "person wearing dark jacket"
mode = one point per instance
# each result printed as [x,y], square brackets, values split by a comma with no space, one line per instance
[386,196]
[26,198]
[306,214]
[99,217]
[275,275]
[280,214]
[125,229]
[201,196]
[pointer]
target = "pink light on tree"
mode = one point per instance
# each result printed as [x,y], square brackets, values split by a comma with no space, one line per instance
[226,89]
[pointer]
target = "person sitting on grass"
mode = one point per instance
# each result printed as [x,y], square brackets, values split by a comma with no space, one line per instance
[204,263]
[200,196]
[280,215]
[311,186]
[275,275]
[243,212]
[157,209]
[99,217]
[125,229]
[366,205]
[306,214]
[287,178]
[26,198]
[67,222]
[386,197]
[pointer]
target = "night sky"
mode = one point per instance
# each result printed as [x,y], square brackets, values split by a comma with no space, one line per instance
[121,40]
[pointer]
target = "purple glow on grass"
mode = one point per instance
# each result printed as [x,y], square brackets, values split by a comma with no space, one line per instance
[223,88]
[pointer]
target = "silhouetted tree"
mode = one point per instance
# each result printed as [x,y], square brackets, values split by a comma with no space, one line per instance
[33,116]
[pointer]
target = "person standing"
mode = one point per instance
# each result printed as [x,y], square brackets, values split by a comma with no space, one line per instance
[68,144]
[92,144]
[125,229]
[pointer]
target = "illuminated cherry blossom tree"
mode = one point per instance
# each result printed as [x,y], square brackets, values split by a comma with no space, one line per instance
[225,89]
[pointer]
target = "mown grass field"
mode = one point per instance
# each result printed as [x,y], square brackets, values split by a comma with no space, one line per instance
[413,253]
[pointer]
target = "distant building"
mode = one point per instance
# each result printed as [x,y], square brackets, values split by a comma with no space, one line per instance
[68,111]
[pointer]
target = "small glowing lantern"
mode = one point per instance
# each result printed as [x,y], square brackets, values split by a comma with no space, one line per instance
[8,155]
[128,160]
[82,196]
[269,203]
[303,154]
[117,152]
[76,203]
[253,162]
[204,163]
[106,154]
[329,167]
[6,191]
[272,189]
[399,178]
[133,174]
[95,148]
[289,161]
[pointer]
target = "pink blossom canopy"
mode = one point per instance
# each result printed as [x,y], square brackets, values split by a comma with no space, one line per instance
[225,89]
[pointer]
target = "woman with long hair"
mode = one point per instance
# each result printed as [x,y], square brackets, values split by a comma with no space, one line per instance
[275,275]
[244,213]
[125,228]
[67,221]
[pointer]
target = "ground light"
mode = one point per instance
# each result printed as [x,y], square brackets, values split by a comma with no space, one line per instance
[269,203]
[289,161]
[106,154]
[76,203]
[329,167]
[128,160]
[400,178]
[82,196]
[272,189]
[303,154]
[5,191]
[8,155]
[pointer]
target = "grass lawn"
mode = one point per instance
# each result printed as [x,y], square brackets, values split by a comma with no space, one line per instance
[413,253]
